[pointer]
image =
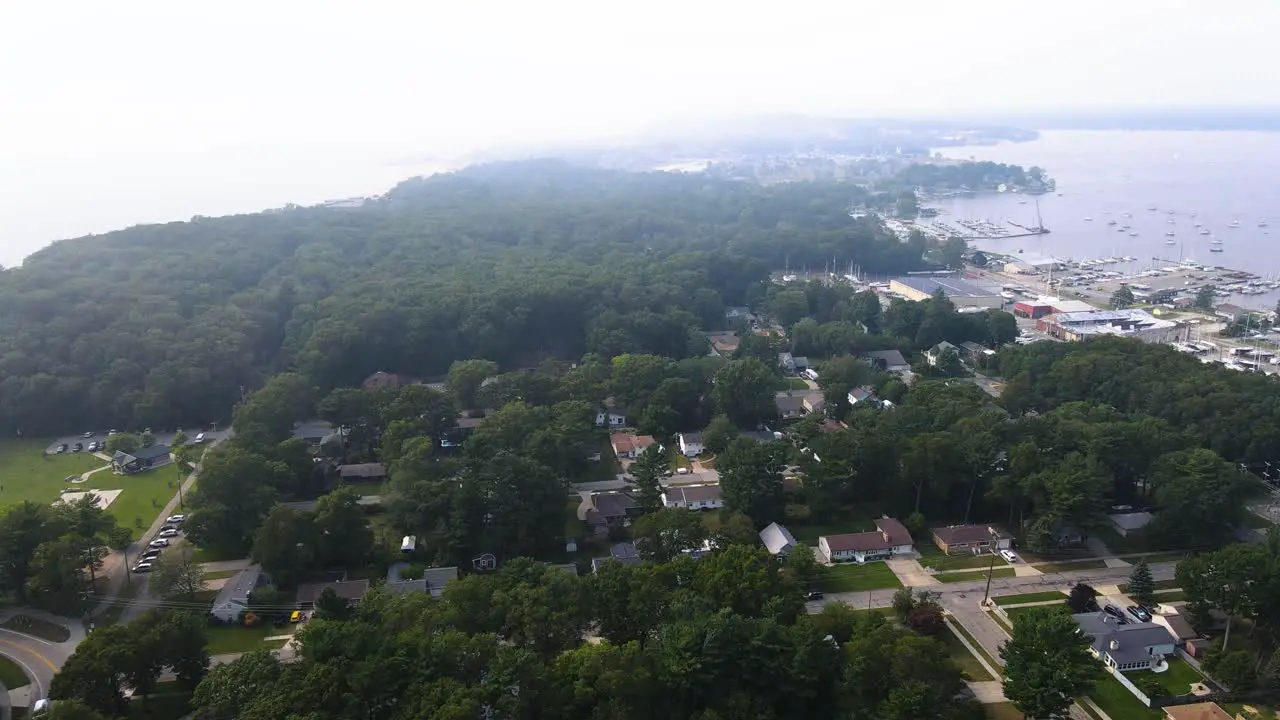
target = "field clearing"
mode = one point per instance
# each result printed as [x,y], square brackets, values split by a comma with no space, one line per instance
[30,475]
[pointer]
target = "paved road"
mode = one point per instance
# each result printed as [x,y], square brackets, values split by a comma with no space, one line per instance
[40,659]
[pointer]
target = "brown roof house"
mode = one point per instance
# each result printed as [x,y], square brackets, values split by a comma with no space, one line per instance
[971,538]
[353,591]
[362,472]
[1197,711]
[693,497]
[626,445]
[888,539]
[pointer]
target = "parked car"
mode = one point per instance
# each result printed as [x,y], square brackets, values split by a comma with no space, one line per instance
[151,554]
[170,533]
[92,447]
[1141,614]
[813,595]
[88,434]
[142,567]
[175,519]
[199,439]
[61,448]
[161,543]
[78,447]
[1009,556]
[296,616]
[1113,611]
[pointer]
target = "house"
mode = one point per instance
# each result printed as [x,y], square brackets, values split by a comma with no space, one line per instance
[888,539]
[605,509]
[353,591]
[1197,711]
[627,445]
[123,463]
[362,472]
[464,425]
[233,598]
[800,363]
[934,354]
[787,363]
[793,404]
[738,311]
[1231,313]
[814,402]
[860,394]
[831,425]
[1128,523]
[313,432]
[777,540]
[610,414]
[433,580]
[690,444]
[383,380]
[961,293]
[971,538]
[887,361]
[1135,646]
[624,553]
[1177,626]
[1062,536]
[693,497]
[973,352]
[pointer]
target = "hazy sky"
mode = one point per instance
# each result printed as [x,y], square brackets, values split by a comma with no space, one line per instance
[113,113]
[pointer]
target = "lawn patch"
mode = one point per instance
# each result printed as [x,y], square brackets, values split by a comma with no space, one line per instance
[35,627]
[205,555]
[1117,702]
[951,577]
[794,383]
[219,574]
[1159,585]
[1168,596]
[1176,680]
[225,639]
[12,675]
[1002,711]
[1014,612]
[29,474]
[1030,598]
[1069,565]
[969,665]
[851,577]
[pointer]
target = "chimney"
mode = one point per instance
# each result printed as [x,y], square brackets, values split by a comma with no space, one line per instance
[1115,644]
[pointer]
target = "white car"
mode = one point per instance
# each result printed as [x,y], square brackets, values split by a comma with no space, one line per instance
[168,533]
[158,544]
[142,567]
[1009,555]
[175,518]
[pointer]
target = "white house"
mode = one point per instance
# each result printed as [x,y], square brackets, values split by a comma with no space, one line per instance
[690,444]
[934,354]
[693,497]
[777,540]
[1133,646]
[890,538]
[610,415]
[233,598]
[860,394]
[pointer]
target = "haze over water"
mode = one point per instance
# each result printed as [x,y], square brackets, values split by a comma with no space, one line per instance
[1218,176]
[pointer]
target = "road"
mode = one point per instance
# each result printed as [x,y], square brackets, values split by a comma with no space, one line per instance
[39,659]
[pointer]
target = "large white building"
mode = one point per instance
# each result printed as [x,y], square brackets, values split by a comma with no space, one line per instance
[961,293]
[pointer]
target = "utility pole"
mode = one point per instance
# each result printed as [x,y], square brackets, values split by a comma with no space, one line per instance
[990,568]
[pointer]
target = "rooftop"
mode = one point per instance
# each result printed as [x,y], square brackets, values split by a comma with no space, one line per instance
[362,470]
[147,453]
[1132,640]
[239,586]
[1197,711]
[1131,521]
[347,590]
[969,534]
[953,287]
[888,533]
[888,357]
[776,537]
[693,493]
[612,504]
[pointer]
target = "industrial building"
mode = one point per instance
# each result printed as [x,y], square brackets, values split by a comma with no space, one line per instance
[1138,324]
[1032,265]
[1045,305]
[961,293]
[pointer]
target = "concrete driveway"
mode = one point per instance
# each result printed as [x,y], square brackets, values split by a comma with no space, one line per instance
[911,573]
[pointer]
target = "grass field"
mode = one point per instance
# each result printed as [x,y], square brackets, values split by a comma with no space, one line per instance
[1176,680]
[1002,711]
[794,383]
[1260,711]
[12,676]
[237,638]
[1159,585]
[29,474]
[1014,612]
[999,572]
[1117,702]
[960,655]
[932,557]
[1169,596]
[1068,566]
[1030,598]
[219,574]
[851,577]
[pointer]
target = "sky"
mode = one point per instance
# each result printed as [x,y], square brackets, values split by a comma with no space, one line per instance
[143,111]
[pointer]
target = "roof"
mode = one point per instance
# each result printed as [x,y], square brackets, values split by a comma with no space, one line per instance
[691,438]
[972,346]
[943,347]
[1131,521]
[612,504]
[896,531]
[1178,626]
[469,423]
[642,441]
[238,586]
[801,360]
[347,590]
[624,553]
[789,403]
[312,429]
[438,577]
[888,533]
[1133,639]
[889,357]
[1197,711]
[693,493]
[622,442]
[362,470]
[969,534]
[953,287]
[776,537]
[150,453]
[1068,306]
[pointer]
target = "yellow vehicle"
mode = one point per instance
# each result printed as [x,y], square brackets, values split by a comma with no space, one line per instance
[296,616]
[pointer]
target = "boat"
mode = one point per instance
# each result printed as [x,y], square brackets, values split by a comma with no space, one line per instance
[1008,296]
[1170,242]
[1169,212]
[1153,207]
[1111,222]
[1133,233]
[1215,241]
[1022,202]
[1088,219]
[1204,232]
[1119,229]
[1171,221]
[1262,223]
[1234,224]
[1199,224]
[1169,234]
[1216,248]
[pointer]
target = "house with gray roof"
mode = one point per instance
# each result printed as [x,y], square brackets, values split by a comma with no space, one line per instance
[128,463]
[777,540]
[624,553]
[433,580]
[233,598]
[1132,646]
[886,360]
[1132,522]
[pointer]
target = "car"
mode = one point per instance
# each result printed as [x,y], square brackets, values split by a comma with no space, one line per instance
[170,533]
[77,447]
[1009,555]
[1113,611]
[62,448]
[151,554]
[88,434]
[112,431]
[682,471]
[161,543]
[175,519]
[92,447]
[296,616]
[142,567]
[199,439]
[1141,614]
[168,526]
[813,595]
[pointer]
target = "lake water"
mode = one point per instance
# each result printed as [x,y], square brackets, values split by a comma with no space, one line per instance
[1218,177]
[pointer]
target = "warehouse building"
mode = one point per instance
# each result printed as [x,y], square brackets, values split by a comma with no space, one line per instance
[1140,324]
[961,293]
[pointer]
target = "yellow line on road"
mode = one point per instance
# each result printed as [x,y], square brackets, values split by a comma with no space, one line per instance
[24,648]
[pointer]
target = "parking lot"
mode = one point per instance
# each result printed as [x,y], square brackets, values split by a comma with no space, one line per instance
[162,438]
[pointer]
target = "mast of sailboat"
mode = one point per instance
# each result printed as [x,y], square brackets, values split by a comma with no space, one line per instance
[1039,221]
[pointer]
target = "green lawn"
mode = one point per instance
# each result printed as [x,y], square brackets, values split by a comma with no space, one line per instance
[1176,680]
[11,675]
[35,627]
[1169,596]
[1159,585]
[144,496]
[166,702]
[999,572]
[29,474]
[794,383]
[1263,712]
[1014,612]
[851,577]
[1002,711]
[1068,566]
[932,557]
[238,638]
[1117,702]
[808,533]
[1030,598]
[960,655]
[219,574]
[204,555]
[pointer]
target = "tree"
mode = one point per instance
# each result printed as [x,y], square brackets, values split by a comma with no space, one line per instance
[1141,585]
[230,687]
[839,376]
[1199,495]
[651,470]
[174,575]
[342,530]
[1235,669]
[146,439]
[926,618]
[662,535]
[1047,663]
[68,710]
[286,544]
[465,378]
[1205,298]
[949,364]
[803,566]
[751,479]
[719,433]
[123,442]
[1083,598]
[1002,328]
[231,499]
[1122,297]
[904,601]
[744,392]
[329,606]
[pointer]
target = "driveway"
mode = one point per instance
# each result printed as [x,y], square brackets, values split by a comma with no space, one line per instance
[911,572]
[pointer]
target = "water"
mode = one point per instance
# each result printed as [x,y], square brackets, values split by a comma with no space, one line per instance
[1217,176]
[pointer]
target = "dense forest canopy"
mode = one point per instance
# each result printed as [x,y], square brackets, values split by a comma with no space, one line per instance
[162,325]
